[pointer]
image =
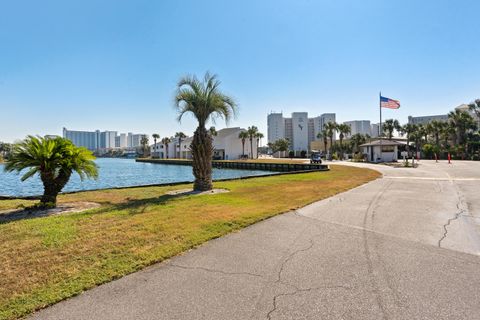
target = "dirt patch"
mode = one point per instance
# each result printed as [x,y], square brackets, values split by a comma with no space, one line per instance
[17,214]
[187,192]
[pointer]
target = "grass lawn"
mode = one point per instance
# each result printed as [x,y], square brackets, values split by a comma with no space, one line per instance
[45,260]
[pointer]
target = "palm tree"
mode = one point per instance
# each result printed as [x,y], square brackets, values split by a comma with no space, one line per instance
[343,129]
[155,136]
[281,145]
[390,125]
[323,135]
[180,136]
[435,128]
[331,128]
[205,101]
[54,159]
[475,107]
[252,131]
[144,143]
[166,141]
[409,129]
[462,122]
[448,131]
[212,131]
[356,140]
[258,136]
[243,135]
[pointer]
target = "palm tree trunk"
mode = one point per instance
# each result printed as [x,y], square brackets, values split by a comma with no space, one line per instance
[258,140]
[243,147]
[52,187]
[251,148]
[202,151]
[180,148]
[331,146]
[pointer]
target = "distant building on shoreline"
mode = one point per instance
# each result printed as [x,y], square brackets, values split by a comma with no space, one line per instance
[299,129]
[103,140]
[359,127]
[427,119]
[226,146]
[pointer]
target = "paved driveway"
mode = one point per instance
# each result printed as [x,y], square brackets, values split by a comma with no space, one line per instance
[402,247]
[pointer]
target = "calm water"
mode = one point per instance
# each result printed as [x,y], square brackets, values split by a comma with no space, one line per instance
[116,173]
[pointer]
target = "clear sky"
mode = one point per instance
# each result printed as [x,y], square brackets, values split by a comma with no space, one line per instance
[113,64]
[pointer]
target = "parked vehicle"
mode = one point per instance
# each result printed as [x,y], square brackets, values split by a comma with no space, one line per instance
[316,157]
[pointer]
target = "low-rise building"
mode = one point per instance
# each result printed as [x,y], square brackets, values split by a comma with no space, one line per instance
[226,146]
[381,150]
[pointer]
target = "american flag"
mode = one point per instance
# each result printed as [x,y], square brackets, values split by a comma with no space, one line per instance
[389,103]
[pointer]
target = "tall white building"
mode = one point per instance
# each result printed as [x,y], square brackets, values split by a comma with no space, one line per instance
[134,140]
[359,126]
[102,140]
[374,129]
[300,130]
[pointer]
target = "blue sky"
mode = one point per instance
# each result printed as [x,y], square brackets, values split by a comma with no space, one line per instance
[113,64]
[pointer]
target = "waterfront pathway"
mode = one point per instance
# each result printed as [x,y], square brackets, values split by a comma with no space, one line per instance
[405,246]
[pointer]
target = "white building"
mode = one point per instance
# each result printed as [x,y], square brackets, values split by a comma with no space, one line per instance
[374,129]
[381,150]
[299,129]
[359,127]
[427,119]
[134,140]
[276,127]
[226,144]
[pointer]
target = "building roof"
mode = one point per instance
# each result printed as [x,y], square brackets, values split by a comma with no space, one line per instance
[383,143]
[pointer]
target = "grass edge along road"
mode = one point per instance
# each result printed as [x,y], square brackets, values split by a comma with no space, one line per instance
[45,260]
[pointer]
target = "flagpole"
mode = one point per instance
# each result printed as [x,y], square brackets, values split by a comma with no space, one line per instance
[380,129]
[380,106]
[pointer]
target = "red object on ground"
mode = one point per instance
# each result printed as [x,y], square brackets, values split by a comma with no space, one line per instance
[449,157]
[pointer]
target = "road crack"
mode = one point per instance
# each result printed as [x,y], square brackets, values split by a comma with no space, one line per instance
[298,291]
[216,271]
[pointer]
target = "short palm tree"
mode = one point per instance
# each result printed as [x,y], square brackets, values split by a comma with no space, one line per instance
[475,107]
[144,143]
[409,130]
[166,141]
[252,131]
[389,126]
[331,128]
[243,135]
[282,145]
[212,131]
[323,135]
[155,136]
[258,136]
[462,122]
[180,136]
[205,101]
[435,128]
[54,159]
[343,129]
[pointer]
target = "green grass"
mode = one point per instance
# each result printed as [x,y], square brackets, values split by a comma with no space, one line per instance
[45,260]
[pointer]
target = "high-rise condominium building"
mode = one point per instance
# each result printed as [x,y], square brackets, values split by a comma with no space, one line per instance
[97,140]
[359,126]
[300,130]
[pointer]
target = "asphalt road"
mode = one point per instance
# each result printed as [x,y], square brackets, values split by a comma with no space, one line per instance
[402,247]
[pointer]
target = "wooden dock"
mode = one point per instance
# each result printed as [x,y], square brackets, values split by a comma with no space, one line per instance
[245,165]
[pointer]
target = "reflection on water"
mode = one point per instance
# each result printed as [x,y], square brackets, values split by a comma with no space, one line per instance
[116,173]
